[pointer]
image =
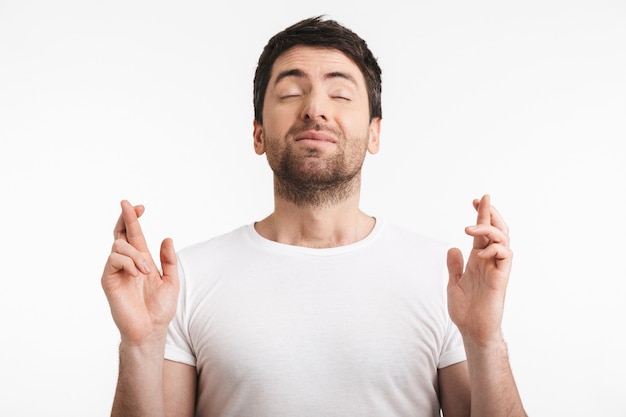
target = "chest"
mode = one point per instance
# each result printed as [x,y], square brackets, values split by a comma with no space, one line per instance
[322,323]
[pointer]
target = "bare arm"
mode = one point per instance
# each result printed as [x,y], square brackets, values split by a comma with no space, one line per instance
[139,389]
[151,386]
[476,303]
[454,390]
[143,302]
[179,389]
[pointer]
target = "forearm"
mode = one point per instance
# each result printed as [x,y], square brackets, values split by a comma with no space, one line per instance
[493,389]
[139,390]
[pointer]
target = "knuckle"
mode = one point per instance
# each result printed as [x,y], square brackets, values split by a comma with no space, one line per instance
[118,245]
[112,258]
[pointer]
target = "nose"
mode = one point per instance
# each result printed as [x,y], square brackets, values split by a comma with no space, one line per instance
[315,108]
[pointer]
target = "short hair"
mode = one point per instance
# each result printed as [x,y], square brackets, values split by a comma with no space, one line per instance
[319,32]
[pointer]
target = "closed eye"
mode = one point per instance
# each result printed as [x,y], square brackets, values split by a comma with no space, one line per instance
[340,91]
[290,95]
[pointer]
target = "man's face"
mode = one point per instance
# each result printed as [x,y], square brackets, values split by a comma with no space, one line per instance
[316,125]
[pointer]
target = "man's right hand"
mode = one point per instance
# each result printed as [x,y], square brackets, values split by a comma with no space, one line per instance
[142,300]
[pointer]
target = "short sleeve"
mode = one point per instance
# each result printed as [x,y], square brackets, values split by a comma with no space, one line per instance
[452,350]
[177,345]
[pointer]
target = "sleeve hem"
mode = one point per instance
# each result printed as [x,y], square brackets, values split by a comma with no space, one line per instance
[177,355]
[451,357]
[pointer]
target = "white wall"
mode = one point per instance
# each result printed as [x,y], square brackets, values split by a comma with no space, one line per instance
[151,101]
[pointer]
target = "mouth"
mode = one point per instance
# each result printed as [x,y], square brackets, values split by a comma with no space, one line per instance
[315,136]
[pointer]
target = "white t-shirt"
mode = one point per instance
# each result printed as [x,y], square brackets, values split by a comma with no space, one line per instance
[277,330]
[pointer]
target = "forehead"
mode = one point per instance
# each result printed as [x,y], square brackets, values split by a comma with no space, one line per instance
[315,61]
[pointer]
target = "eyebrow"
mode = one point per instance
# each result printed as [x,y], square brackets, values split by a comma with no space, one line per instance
[301,74]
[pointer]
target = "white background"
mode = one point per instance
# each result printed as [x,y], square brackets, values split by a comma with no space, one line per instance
[152,101]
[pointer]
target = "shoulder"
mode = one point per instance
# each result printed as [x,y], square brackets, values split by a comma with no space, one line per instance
[403,237]
[217,246]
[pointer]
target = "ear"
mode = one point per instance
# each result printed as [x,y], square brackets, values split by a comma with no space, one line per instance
[374,141]
[257,133]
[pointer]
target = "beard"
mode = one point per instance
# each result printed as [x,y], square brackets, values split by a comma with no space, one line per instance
[314,176]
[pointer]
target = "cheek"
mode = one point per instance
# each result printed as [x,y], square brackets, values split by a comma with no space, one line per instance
[354,117]
[276,124]
[355,126]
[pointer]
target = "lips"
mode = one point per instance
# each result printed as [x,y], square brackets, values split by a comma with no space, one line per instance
[315,136]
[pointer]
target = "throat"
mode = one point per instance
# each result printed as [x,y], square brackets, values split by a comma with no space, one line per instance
[314,230]
[315,193]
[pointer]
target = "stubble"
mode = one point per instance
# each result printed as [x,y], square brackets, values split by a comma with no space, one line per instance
[312,176]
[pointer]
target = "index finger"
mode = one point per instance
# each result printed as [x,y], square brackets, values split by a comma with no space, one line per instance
[498,221]
[483,206]
[495,218]
[119,231]
[128,227]
[484,210]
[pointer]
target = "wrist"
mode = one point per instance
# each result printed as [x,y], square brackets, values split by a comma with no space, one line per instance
[150,344]
[487,343]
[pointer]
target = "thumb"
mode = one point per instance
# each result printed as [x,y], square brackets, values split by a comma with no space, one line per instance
[169,263]
[455,265]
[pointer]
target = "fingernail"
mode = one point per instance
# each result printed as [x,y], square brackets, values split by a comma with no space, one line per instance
[145,268]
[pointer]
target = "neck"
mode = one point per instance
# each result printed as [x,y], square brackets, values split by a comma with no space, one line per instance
[314,194]
[316,226]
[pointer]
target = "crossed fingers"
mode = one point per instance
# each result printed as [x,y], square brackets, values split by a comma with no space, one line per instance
[491,233]
[125,257]
[129,248]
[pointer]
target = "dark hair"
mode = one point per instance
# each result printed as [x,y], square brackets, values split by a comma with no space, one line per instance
[317,31]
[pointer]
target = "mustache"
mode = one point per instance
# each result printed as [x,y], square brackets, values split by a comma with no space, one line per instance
[315,126]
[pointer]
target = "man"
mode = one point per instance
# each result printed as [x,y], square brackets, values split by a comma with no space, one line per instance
[319,309]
